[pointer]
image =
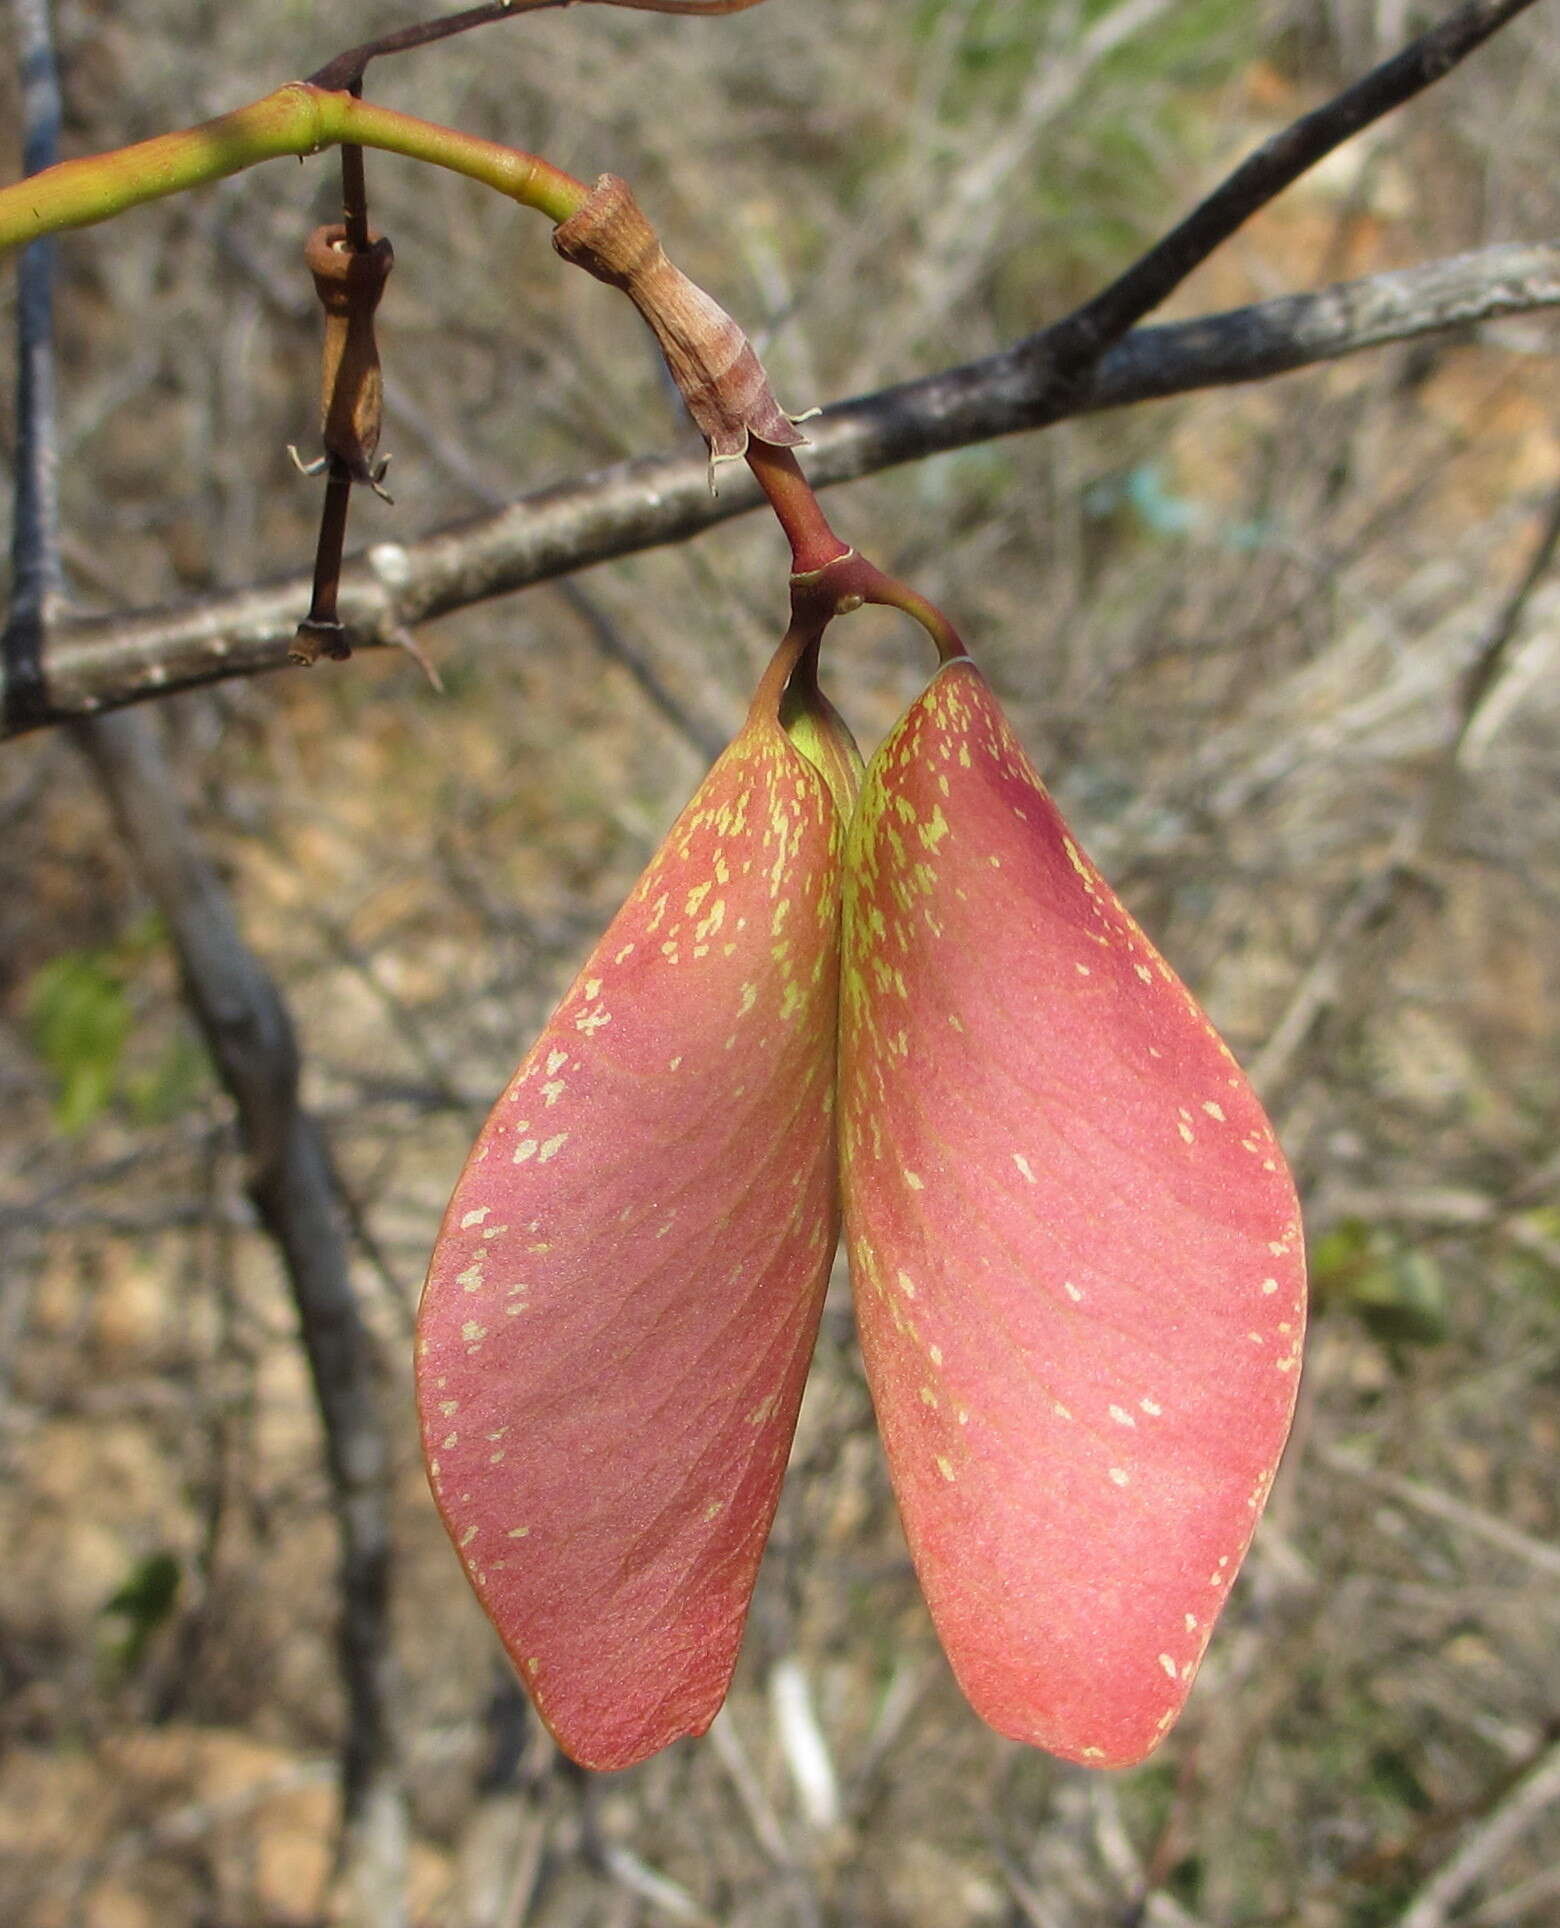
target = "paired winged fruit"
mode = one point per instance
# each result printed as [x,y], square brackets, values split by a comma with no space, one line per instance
[1075,1248]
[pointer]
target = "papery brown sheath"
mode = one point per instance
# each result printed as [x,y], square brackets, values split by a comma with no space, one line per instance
[349,283]
[720,378]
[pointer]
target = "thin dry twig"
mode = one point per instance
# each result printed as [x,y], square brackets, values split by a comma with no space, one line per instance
[803,1745]
[1377,897]
[346,69]
[606,635]
[37,575]
[1079,338]
[105,663]
[969,209]
[1486,1842]
[666,1896]
[1440,1505]
[1484,674]
[1518,1904]
[756,1805]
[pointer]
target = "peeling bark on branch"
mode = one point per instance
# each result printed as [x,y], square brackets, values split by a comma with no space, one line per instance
[102,664]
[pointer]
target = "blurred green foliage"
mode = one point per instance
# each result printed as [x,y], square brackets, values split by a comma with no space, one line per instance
[1001,41]
[80,1018]
[80,1013]
[1396,1291]
[141,1605]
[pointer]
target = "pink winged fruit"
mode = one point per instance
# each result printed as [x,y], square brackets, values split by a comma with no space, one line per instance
[626,1288]
[1074,1242]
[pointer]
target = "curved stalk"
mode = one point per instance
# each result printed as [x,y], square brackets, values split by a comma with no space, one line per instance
[297,119]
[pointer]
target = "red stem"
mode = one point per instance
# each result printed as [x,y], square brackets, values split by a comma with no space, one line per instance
[827,576]
[814,545]
[891,593]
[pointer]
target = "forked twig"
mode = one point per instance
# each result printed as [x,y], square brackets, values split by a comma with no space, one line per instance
[1081,337]
[1048,377]
[346,69]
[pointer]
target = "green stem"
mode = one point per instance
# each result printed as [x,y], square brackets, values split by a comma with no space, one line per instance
[296,119]
[534,183]
[890,593]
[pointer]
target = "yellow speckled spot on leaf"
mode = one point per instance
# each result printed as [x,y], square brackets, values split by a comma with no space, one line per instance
[933,832]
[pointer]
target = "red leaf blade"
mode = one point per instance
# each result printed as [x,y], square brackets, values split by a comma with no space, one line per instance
[626,1288]
[1076,1248]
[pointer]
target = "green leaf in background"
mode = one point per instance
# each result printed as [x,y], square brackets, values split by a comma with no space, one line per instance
[79,1019]
[1396,1291]
[170,1083]
[143,1604]
[81,1013]
[1395,1781]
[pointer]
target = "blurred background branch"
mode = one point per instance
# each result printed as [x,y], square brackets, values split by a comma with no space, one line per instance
[248,1031]
[101,662]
